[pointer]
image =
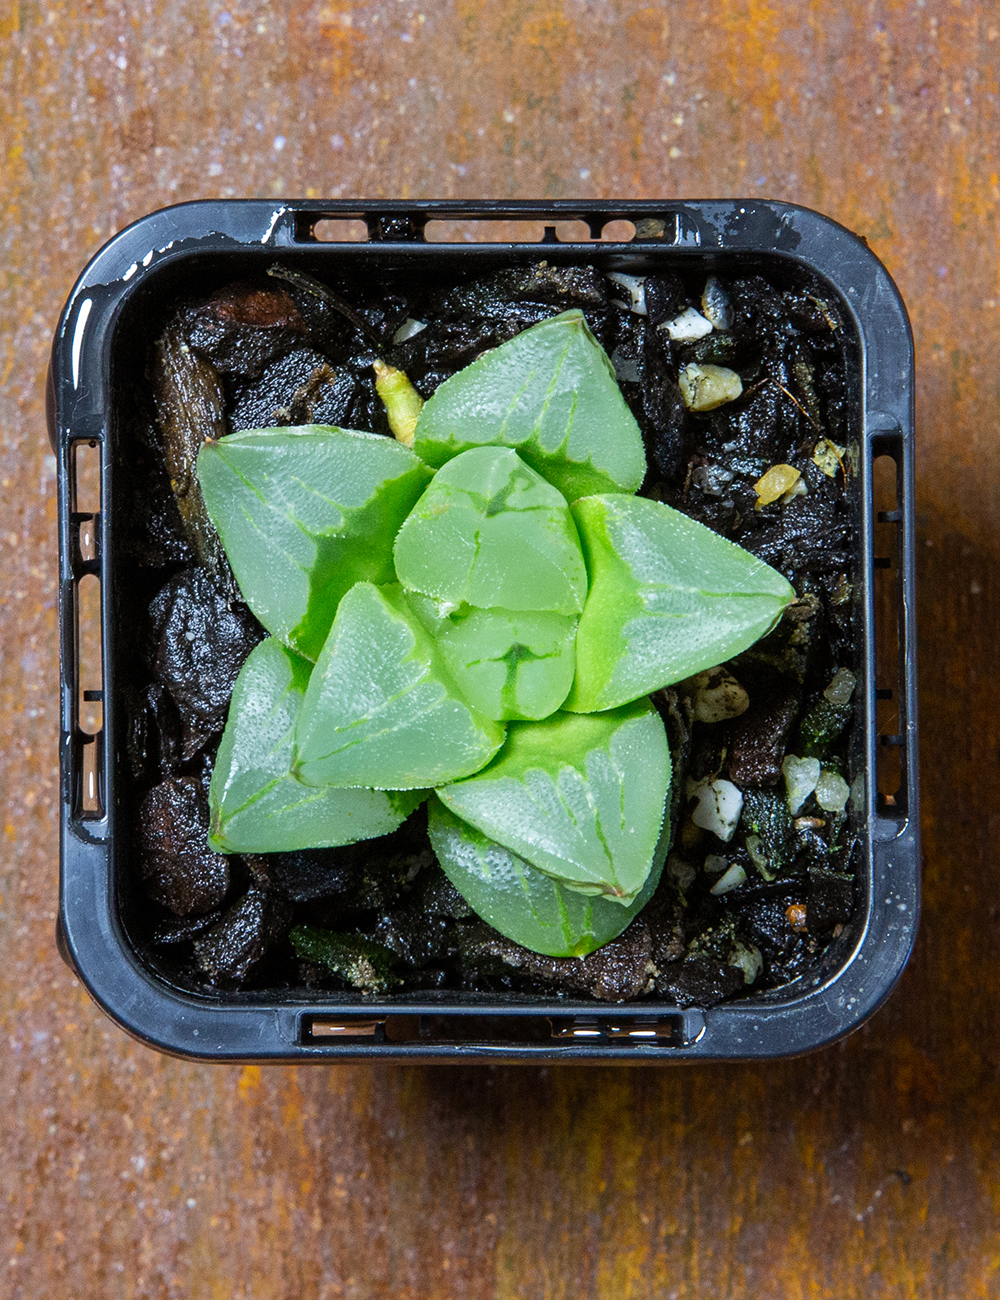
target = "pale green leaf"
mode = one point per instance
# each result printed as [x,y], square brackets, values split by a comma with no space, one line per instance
[510,664]
[303,514]
[491,532]
[381,708]
[257,805]
[580,798]
[550,393]
[526,905]
[668,598]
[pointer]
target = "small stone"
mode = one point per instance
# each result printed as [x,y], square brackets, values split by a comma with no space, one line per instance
[704,388]
[832,791]
[732,879]
[801,776]
[408,330]
[747,958]
[713,480]
[780,483]
[718,807]
[841,687]
[636,286]
[829,457]
[687,327]
[716,695]
[715,305]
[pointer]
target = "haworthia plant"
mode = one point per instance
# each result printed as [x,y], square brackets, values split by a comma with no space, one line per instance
[485,615]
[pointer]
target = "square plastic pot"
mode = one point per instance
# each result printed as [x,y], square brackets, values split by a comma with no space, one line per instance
[189,250]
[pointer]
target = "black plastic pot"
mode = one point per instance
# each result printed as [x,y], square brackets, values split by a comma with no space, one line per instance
[192,249]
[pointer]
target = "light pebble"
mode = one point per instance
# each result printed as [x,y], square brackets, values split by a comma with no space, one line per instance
[687,327]
[636,286]
[716,695]
[746,956]
[717,808]
[832,791]
[715,305]
[801,776]
[704,388]
[409,328]
[733,878]
[780,483]
[841,687]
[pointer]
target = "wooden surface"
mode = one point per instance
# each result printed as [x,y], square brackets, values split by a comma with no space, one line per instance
[868,1170]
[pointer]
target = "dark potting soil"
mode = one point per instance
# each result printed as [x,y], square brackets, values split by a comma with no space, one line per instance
[382,916]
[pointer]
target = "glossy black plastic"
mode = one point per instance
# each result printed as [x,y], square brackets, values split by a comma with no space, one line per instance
[193,248]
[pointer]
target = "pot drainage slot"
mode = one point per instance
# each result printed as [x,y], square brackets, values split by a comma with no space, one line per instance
[887,595]
[326,1029]
[678,1029]
[507,230]
[340,230]
[488,232]
[500,227]
[426,1029]
[85,522]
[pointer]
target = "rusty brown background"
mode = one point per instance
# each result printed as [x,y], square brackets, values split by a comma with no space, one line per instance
[868,1170]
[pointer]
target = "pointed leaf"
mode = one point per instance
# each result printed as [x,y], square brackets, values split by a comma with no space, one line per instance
[490,532]
[580,798]
[668,598]
[510,664]
[381,709]
[303,514]
[257,805]
[551,393]
[523,903]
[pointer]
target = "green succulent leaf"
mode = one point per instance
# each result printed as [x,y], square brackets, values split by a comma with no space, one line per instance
[580,798]
[303,514]
[523,903]
[551,394]
[668,598]
[381,709]
[491,532]
[510,664]
[257,805]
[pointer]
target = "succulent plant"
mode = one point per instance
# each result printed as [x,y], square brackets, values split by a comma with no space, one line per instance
[478,620]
